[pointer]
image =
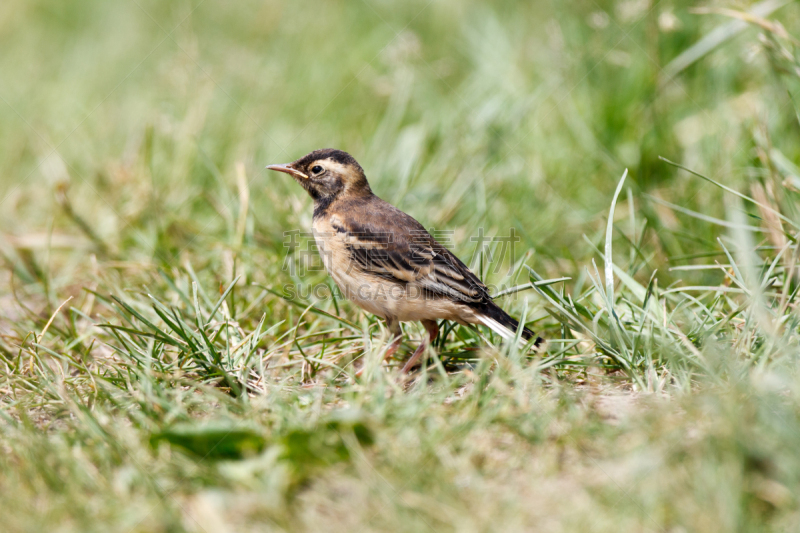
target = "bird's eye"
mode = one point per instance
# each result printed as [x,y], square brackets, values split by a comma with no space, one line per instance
[317,169]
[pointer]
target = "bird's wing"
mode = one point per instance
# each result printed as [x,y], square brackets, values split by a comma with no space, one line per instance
[396,247]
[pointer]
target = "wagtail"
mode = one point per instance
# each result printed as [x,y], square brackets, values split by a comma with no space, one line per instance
[385,261]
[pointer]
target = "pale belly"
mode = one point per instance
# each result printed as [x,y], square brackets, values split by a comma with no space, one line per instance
[390,300]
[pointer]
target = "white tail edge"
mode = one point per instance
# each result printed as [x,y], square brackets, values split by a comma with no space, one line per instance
[500,329]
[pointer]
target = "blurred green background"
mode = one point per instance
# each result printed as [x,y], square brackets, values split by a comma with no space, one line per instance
[175,392]
[466,114]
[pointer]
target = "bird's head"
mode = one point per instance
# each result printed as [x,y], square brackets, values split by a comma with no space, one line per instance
[326,174]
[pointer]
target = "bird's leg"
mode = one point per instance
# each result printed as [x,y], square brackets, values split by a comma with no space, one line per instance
[393,348]
[433,330]
[397,333]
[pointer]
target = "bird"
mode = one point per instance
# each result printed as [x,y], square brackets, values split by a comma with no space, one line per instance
[386,262]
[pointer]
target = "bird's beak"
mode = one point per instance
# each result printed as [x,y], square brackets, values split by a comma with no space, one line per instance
[287,169]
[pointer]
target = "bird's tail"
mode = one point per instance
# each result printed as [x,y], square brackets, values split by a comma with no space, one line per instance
[491,316]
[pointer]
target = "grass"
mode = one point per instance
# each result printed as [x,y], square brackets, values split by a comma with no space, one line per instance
[171,358]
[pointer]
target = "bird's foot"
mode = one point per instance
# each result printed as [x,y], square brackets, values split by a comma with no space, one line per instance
[433,330]
[415,358]
[390,351]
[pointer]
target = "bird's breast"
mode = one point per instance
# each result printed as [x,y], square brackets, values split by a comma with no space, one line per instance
[376,294]
[332,244]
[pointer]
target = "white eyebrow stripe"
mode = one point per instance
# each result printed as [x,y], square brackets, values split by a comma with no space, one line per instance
[330,164]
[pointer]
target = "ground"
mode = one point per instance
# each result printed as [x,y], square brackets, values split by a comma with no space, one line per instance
[623,175]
